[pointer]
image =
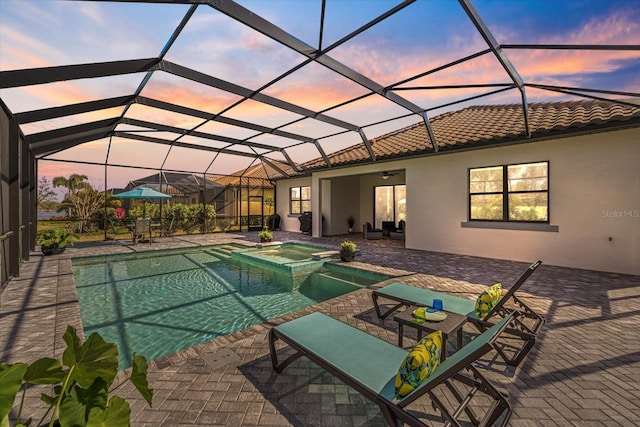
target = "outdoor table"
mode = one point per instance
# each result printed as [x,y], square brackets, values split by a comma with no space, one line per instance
[453,323]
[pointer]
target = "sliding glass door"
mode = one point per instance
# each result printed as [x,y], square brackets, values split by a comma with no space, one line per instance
[400,203]
[390,204]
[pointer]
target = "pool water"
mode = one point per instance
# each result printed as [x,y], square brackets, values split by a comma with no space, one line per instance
[292,257]
[287,251]
[161,302]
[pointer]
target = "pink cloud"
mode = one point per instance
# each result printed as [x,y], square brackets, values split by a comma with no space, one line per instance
[53,169]
[189,95]
[618,28]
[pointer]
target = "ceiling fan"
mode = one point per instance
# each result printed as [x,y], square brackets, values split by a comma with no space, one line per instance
[386,175]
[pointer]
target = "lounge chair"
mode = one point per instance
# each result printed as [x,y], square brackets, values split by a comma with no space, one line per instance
[370,364]
[526,328]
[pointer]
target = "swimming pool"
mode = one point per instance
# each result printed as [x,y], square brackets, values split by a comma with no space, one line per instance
[157,303]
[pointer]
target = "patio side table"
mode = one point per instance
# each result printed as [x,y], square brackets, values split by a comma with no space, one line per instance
[453,323]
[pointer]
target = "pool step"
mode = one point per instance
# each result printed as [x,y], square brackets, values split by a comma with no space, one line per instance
[325,254]
[339,279]
[222,251]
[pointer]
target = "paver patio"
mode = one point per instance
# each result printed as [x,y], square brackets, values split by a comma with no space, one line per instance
[583,371]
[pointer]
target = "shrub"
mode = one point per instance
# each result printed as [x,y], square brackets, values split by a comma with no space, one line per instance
[59,237]
[351,220]
[347,250]
[265,235]
[99,217]
[348,247]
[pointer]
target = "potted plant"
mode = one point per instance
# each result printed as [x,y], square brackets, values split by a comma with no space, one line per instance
[265,236]
[347,251]
[81,383]
[53,241]
[351,220]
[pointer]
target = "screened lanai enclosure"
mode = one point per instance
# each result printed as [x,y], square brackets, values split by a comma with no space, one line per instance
[241,94]
[244,202]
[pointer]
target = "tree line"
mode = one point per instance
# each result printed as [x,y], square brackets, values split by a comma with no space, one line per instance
[92,209]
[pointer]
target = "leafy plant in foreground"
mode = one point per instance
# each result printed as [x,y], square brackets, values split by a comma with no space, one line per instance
[81,384]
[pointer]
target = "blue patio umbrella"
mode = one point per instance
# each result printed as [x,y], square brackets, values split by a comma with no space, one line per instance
[142,193]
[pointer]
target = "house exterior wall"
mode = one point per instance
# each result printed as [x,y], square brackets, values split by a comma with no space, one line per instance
[326,206]
[345,201]
[289,222]
[594,189]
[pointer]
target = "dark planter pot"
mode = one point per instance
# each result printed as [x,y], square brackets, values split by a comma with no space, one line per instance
[265,240]
[52,250]
[347,256]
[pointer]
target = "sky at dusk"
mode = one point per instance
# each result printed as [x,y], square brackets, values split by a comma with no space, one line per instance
[423,36]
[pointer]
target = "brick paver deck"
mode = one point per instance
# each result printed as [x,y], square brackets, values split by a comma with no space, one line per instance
[583,371]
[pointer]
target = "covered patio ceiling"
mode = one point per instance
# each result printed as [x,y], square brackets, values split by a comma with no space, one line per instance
[216,86]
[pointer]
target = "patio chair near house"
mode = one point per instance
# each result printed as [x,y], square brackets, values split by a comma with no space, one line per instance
[370,365]
[388,227]
[370,233]
[398,233]
[526,327]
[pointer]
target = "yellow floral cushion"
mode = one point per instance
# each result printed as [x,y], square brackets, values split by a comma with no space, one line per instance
[487,300]
[421,361]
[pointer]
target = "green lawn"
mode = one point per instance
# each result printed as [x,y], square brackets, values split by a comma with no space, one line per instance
[120,232]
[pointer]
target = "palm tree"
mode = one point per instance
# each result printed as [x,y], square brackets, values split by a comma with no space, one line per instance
[81,201]
[74,183]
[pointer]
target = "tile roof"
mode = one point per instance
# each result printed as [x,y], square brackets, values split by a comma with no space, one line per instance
[489,125]
[235,180]
[256,174]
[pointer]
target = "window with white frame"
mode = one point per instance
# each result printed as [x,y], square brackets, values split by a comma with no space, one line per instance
[299,200]
[517,193]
